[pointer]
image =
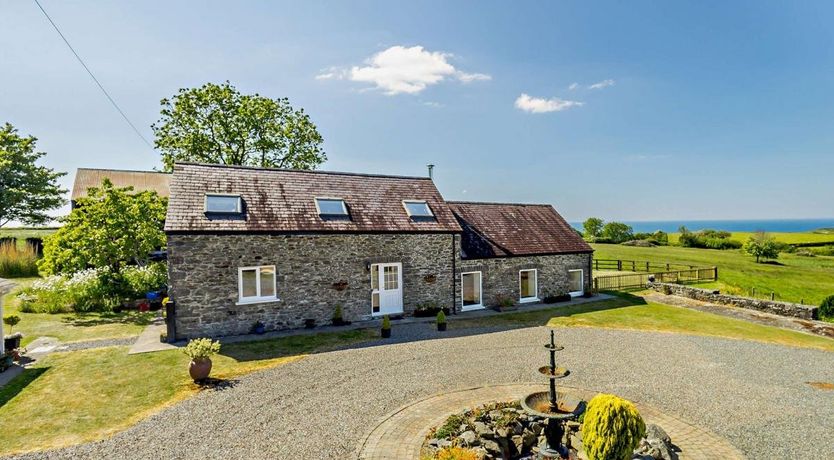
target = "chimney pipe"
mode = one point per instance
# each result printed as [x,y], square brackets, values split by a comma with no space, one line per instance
[431,171]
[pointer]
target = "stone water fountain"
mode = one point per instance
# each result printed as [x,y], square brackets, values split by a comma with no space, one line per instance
[556,407]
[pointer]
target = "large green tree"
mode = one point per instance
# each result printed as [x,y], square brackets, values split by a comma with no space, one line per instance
[593,228]
[761,246]
[217,124]
[27,190]
[110,227]
[617,232]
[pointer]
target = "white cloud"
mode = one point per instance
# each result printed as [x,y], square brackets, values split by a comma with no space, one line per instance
[602,84]
[399,70]
[541,105]
[573,86]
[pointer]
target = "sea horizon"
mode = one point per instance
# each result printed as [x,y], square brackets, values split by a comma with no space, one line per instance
[730,225]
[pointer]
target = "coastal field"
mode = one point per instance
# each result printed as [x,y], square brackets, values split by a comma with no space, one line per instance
[816,237]
[791,278]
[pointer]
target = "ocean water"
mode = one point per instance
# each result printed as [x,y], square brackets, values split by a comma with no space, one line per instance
[767,225]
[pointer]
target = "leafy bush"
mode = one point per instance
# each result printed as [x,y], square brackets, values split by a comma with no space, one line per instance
[17,263]
[616,232]
[441,317]
[504,301]
[826,310]
[141,280]
[386,322]
[337,315]
[659,237]
[11,321]
[613,428]
[201,349]
[707,239]
[805,253]
[456,453]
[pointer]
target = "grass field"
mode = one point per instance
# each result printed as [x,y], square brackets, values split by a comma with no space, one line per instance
[21,233]
[789,238]
[795,278]
[69,398]
[633,312]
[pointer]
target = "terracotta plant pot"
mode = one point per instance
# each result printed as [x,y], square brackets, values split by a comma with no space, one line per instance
[200,370]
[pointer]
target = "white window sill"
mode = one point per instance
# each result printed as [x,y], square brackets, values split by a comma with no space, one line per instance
[257,300]
[528,300]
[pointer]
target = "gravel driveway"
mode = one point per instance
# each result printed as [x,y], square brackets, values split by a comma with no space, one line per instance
[320,407]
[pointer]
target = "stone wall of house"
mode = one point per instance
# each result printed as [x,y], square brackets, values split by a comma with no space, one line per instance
[203,277]
[500,276]
[705,295]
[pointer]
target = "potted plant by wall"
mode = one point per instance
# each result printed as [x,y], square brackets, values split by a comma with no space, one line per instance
[200,351]
[337,318]
[258,328]
[441,321]
[12,341]
[386,327]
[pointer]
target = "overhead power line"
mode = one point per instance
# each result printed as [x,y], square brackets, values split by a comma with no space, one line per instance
[81,61]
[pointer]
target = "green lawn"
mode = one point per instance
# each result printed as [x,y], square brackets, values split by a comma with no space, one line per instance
[69,398]
[633,312]
[74,327]
[797,278]
[782,237]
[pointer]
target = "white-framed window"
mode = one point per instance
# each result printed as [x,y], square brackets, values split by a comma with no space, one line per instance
[471,291]
[223,203]
[331,207]
[257,284]
[528,285]
[576,282]
[417,208]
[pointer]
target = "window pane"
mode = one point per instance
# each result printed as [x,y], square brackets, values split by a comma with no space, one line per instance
[375,302]
[391,278]
[374,276]
[249,283]
[331,207]
[471,289]
[267,281]
[576,280]
[221,203]
[418,209]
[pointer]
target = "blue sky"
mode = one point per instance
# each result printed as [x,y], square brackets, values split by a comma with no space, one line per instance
[701,110]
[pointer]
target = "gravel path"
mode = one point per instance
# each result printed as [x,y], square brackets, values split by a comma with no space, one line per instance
[320,407]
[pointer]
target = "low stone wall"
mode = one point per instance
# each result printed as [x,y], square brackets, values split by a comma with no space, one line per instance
[768,306]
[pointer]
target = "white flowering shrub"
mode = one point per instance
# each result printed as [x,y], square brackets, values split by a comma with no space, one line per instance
[86,290]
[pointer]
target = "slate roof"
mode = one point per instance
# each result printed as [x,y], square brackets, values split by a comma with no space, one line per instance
[506,230]
[140,180]
[281,200]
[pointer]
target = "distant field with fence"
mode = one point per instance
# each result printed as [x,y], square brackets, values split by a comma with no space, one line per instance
[616,274]
[791,278]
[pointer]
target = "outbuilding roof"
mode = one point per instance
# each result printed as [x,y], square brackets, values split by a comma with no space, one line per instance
[140,180]
[282,200]
[508,229]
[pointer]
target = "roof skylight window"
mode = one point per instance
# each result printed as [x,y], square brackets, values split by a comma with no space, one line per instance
[417,208]
[223,204]
[331,207]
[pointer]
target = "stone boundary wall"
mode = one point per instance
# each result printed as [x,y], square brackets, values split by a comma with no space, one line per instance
[768,306]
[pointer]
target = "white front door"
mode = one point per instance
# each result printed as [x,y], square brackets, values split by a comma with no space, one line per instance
[386,289]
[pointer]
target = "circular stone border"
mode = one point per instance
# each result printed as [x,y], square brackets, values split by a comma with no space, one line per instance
[400,434]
